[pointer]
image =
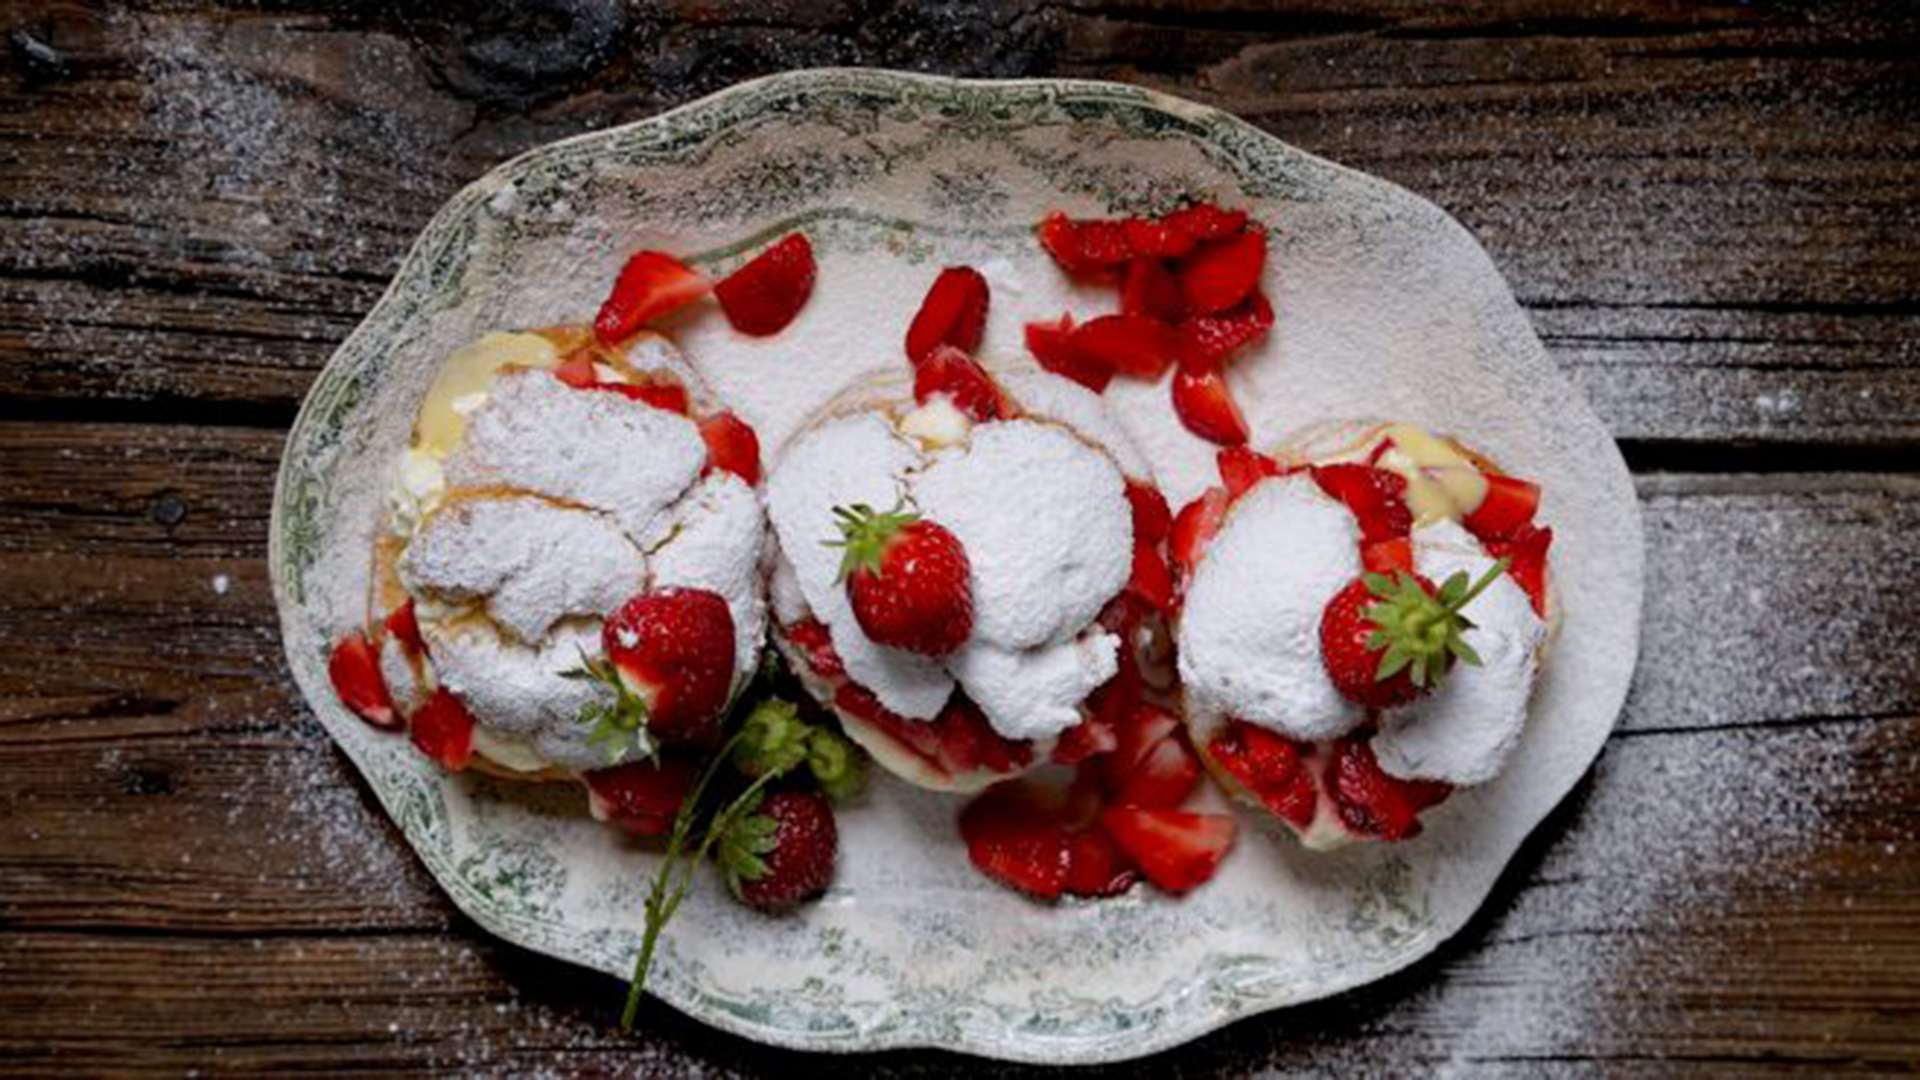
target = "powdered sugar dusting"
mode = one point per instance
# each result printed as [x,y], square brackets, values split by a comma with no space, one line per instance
[720,545]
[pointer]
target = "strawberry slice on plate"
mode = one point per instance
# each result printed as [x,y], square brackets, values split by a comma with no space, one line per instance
[1152,520]
[442,729]
[1084,248]
[1372,803]
[1052,347]
[1377,498]
[762,297]
[1205,405]
[1133,345]
[1221,273]
[1177,850]
[732,446]
[1205,221]
[354,669]
[641,797]
[1206,341]
[954,313]
[947,370]
[403,626]
[1151,290]
[1157,237]
[1241,468]
[1014,840]
[1193,528]
[651,286]
[1528,552]
[1164,776]
[1272,768]
[1507,508]
[1096,866]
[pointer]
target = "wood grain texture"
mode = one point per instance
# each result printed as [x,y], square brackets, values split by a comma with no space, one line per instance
[1707,209]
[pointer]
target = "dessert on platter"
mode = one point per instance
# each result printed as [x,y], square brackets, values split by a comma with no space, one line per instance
[1360,633]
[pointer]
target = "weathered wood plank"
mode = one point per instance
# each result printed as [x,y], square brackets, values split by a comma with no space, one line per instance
[1705,207]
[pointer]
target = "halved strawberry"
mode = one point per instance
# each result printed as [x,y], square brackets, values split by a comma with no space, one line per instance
[1271,767]
[954,313]
[1206,341]
[673,648]
[1156,237]
[1164,777]
[1052,347]
[577,370]
[1386,556]
[947,370]
[354,669]
[1222,272]
[1508,508]
[1241,468]
[1084,247]
[1140,731]
[404,627]
[1095,864]
[813,639]
[1528,550]
[1377,498]
[1177,850]
[1129,344]
[651,285]
[763,296]
[1205,221]
[660,395]
[442,729]
[1206,407]
[732,446]
[1152,291]
[1373,803]
[1195,525]
[641,797]
[1014,840]
[1151,517]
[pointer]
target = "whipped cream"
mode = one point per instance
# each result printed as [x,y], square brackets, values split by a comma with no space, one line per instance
[596,449]
[1464,731]
[1043,516]
[1249,636]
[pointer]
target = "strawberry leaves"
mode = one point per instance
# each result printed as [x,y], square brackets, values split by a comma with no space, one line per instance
[1419,632]
[617,715]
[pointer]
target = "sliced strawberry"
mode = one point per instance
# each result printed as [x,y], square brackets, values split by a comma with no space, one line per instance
[1012,839]
[1205,342]
[354,668]
[1140,731]
[642,797]
[954,313]
[404,627]
[651,286]
[577,370]
[813,639]
[1205,221]
[1377,498]
[1128,344]
[1206,407]
[1151,580]
[442,729]
[917,736]
[1152,291]
[1193,528]
[1386,556]
[1508,508]
[1156,237]
[968,742]
[1177,850]
[1084,248]
[1151,517]
[660,395]
[1272,768]
[732,446]
[1095,864]
[1089,738]
[947,370]
[1528,550]
[1241,468]
[1222,272]
[1052,347]
[1373,803]
[763,296]
[1164,777]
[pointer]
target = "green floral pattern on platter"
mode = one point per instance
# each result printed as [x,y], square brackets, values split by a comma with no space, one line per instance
[908,173]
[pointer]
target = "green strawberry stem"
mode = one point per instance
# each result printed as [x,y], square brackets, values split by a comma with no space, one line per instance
[865,534]
[1420,632]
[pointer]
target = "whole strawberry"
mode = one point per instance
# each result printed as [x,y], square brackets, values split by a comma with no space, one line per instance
[782,852]
[907,579]
[669,664]
[1388,640]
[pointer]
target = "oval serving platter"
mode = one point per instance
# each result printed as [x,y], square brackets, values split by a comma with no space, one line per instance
[1386,307]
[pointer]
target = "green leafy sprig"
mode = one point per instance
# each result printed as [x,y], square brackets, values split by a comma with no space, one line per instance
[1419,632]
[864,534]
[617,715]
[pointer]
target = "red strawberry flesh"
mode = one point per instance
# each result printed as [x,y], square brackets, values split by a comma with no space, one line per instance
[806,842]
[1178,851]
[1221,273]
[763,296]
[732,446]
[1206,407]
[675,647]
[442,729]
[354,669]
[651,286]
[953,313]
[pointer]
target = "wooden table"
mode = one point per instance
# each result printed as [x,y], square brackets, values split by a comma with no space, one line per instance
[1710,212]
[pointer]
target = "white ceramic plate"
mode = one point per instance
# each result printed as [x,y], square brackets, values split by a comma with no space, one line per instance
[1387,308]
